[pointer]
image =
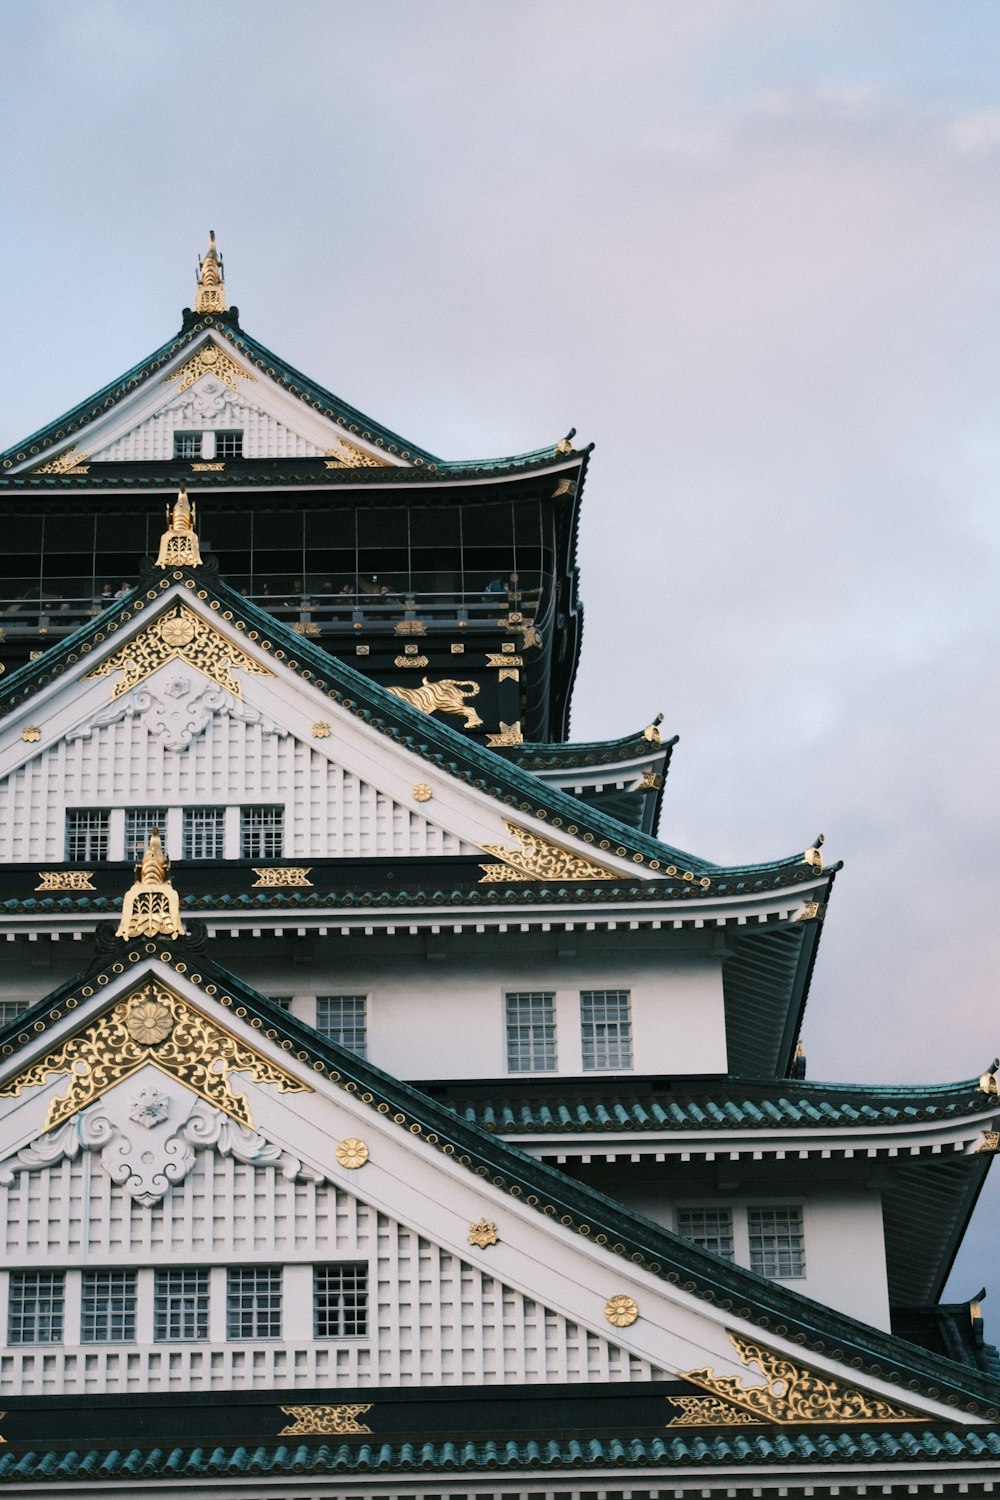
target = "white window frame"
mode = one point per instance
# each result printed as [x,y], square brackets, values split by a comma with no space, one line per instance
[352,1319]
[608,1046]
[530,1035]
[338,1033]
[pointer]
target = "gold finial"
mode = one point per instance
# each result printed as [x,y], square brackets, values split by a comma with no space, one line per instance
[151,907]
[179,543]
[211,281]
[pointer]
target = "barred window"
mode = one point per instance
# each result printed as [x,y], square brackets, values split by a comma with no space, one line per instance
[35,1307]
[139,824]
[86,835]
[262,832]
[340,1301]
[531,1032]
[711,1228]
[606,1026]
[229,445]
[343,1018]
[777,1243]
[204,831]
[107,1307]
[180,1305]
[253,1302]
[187,444]
[285,1001]
[10,1010]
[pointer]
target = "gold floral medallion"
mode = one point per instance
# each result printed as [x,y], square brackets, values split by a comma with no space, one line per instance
[352,1153]
[621,1311]
[149,1022]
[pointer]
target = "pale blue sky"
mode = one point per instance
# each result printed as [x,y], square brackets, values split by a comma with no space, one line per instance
[749,248]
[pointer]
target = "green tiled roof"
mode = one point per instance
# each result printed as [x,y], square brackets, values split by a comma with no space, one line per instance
[810,1451]
[766,1105]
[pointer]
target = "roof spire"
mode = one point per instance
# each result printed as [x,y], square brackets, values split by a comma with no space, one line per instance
[211,280]
[151,906]
[179,543]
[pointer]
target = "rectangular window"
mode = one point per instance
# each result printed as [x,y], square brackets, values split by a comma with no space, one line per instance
[86,836]
[229,445]
[777,1244]
[285,1001]
[187,444]
[340,1301]
[10,1010]
[531,1032]
[711,1228]
[180,1305]
[253,1302]
[139,824]
[606,1027]
[262,832]
[343,1018]
[35,1307]
[107,1307]
[204,830]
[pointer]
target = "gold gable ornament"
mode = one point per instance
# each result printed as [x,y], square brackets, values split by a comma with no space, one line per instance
[179,543]
[151,907]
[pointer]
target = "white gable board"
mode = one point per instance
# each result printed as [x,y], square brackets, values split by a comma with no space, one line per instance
[220,726]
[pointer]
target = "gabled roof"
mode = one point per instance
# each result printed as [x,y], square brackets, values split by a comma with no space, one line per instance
[433,739]
[223,330]
[772,1314]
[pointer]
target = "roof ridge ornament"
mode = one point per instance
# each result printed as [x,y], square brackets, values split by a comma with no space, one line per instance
[179,543]
[211,280]
[151,907]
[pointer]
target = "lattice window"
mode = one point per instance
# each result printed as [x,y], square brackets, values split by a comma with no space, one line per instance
[531,1032]
[253,1302]
[107,1307]
[343,1018]
[187,444]
[606,1028]
[229,445]
[35,1307]
[777,1242]
[87,835]
[180,1305]
[711,1228]
[285,1001]
[139,824]
[262,832]
[340,1301]
[10,1010]
[204,832]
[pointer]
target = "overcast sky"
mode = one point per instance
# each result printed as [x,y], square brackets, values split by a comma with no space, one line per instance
[750,249]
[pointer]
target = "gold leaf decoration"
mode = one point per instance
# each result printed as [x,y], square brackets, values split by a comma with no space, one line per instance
[153,1025]
[31,734]
[447,696]
[210,360]
[312,1421]
[536,858]
[422,792]
[621,1311]
[180,635]
[286,875]
[65,880]
[483,1234]
[510,734]
[349,456]
[790,1394]
[351,1153]
[67,462]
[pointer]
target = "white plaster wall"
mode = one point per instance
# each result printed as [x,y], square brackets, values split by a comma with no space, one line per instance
[439,1020]
[264,435]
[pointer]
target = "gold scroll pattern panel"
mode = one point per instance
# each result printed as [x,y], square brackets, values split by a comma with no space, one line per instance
[180,635]
[535,858]
[790,1394]
[153,1025]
